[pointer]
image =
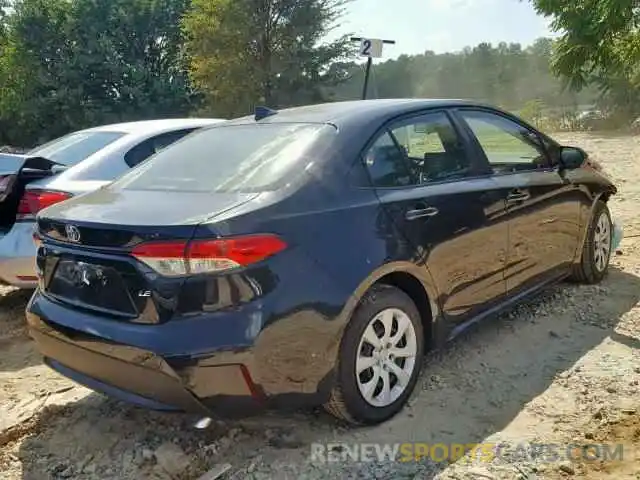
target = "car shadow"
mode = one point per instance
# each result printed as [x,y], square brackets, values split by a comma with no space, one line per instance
[469,391]
[16,298]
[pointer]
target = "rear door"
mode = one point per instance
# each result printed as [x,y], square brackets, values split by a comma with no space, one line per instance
[446,206]
[542,206]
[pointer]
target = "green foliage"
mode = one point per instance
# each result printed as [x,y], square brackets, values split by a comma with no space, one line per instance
[599,35]
[69,64]
[599,45]
[3,16]
[245,52]
[533,112]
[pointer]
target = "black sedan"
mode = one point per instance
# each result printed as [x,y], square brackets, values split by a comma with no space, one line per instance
[311,256]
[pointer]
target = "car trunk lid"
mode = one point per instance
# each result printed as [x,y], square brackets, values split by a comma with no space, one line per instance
[86,260]
[124,209]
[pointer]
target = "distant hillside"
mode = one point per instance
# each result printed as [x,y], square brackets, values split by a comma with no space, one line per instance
[506,75]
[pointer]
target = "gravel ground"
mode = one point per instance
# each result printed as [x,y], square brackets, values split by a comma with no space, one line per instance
[563,368]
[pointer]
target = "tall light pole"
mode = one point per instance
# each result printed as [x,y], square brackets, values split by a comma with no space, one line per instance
[370,48]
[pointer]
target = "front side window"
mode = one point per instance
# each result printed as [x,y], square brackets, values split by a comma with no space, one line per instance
[75,147]
[230,158]
[508,146]
[420,150]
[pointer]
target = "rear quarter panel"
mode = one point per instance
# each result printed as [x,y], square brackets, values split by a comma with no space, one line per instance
[340,241]
[342,228]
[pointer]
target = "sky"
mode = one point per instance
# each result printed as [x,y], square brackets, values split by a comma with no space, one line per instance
[443,25]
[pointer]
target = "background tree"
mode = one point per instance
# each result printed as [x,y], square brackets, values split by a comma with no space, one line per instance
[263,51]
[599,45]
[3,20]
[533,112]
[3,68]
[71,64]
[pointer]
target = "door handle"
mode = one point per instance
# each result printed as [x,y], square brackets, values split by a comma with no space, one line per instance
[518,196]
[421,213]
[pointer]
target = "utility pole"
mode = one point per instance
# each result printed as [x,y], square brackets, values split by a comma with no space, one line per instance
[370,48]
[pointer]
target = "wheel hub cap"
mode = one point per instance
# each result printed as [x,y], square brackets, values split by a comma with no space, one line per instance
[386,357]
[602,242]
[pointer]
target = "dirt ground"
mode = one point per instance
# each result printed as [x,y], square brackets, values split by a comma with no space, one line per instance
[561,369]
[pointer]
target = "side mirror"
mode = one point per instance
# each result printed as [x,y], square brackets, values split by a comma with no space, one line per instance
[572,157]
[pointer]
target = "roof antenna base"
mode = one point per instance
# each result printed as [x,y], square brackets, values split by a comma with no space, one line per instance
[264,112]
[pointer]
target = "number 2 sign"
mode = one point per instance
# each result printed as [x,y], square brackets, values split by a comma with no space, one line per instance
[371,47]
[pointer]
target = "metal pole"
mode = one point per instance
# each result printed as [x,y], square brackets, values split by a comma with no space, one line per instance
[369,64]
[366,78]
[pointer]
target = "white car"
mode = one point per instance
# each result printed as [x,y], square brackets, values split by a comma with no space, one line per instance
[69,166]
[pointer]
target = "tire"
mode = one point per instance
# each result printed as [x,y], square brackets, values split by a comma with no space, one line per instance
[347,401]
[596,251]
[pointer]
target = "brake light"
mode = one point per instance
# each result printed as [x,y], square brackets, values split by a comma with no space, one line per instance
[35,200]
[207,256]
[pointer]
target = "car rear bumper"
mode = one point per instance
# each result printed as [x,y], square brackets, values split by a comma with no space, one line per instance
[141,377]
[231,377]
[17,256]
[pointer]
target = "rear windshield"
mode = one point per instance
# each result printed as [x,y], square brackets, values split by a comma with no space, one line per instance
[75,147]
[232,158]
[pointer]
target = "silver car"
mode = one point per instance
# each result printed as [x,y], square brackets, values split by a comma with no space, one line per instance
[69,166]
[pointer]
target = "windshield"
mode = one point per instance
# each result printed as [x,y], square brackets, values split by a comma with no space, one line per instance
[233,158]
[75,147]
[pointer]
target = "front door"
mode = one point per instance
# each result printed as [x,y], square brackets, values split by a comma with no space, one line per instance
[542,206]
[453,216]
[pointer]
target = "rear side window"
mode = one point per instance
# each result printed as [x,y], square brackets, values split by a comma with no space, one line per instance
[388,165]
[153,145]
[233,158]
[75,147]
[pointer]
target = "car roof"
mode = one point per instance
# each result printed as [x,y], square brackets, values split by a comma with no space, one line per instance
[348,111]
[149,126]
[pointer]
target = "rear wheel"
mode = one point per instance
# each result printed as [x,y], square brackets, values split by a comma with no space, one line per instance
[380,358]
[596,250]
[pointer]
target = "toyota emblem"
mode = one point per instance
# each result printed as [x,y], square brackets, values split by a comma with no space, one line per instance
[73,234]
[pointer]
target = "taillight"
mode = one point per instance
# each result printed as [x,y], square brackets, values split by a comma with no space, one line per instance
[207,256]
[35,200]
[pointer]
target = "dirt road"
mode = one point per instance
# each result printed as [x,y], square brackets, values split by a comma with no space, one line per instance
[564,368]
